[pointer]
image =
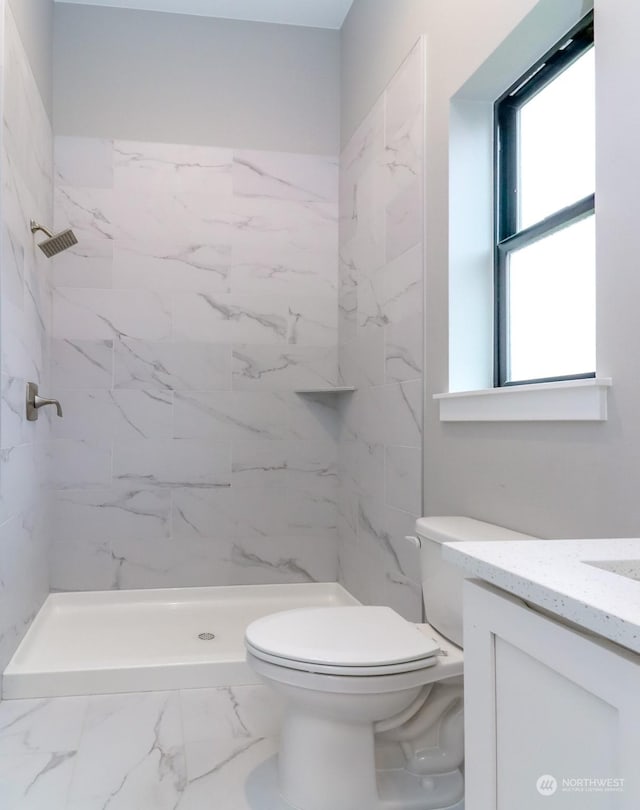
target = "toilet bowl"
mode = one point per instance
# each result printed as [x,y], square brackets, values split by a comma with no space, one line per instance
[373,702]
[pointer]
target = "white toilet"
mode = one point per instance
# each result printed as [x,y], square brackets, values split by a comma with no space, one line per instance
[373,703]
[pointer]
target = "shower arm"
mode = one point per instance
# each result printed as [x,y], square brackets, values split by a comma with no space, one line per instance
[35,227]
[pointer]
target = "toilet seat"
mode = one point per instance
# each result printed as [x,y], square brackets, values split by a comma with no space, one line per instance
[356,641]
[329,669]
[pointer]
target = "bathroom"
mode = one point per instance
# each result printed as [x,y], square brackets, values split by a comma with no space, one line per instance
[282,284]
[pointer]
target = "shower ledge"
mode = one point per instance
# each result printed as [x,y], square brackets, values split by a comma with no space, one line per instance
[343,389]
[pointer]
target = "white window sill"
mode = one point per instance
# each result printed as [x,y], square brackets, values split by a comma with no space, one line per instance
[567,401]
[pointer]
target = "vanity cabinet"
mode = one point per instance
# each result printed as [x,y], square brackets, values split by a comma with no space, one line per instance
[548,710]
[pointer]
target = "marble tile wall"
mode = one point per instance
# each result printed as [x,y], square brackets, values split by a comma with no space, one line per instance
[381,344]
[202,293]
[25,315]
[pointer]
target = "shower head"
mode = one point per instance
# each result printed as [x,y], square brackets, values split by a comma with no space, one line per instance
[56,243]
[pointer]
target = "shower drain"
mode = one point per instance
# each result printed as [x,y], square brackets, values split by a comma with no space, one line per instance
[206,636]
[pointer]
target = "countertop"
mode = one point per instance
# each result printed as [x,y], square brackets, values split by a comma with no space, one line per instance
[555,575]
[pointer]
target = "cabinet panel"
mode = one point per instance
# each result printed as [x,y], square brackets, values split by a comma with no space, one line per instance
[547,725]
[543,699]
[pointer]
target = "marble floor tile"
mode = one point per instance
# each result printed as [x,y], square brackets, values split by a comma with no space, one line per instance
[41,726]
[190,750]
[131,755]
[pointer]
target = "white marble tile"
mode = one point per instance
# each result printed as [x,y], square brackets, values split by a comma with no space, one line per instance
[276,560]
[131,754]
[222,781]
[283,272]
[87,264]
[313,321]
[84,162]
[231,713]
[402,161]
[82,314]
[302,236]
[283,176]
[88,211]
[116,512]
[142,314]
[405,220]
[399,286]
[365,145]
[192,267]
[12,271]
[404,342]
[174,463]
[81,363]
[403,474]
[314,417]
[142,414]
[311,513]
[403,413]
[231,318]
[202,513]
[81,562]
[312,466]
[231,415]
[12,414]
[368,356]
[124,414]
[181,365]
[41,726]
[36,781]
[80,463]
[404,96]
[261,512]
[171,167]
[362,468]
[153,220]
[347,317]
[260,463]
[283,369]
[20,474]
[171,562]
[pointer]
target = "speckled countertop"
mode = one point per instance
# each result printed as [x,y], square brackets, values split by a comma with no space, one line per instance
[594,583]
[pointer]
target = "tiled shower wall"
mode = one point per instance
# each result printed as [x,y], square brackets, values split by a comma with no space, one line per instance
[381,344]
[202,294]
[24,324]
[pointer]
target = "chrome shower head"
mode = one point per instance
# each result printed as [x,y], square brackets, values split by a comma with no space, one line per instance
[56,243]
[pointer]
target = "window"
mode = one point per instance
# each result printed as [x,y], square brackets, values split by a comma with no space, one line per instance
[545,224]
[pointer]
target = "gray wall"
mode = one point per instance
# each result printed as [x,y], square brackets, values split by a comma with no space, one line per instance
[183,79]
[34,19]
[550,479]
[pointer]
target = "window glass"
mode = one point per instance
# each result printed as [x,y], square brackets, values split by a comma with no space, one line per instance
[557,143]
[551,305]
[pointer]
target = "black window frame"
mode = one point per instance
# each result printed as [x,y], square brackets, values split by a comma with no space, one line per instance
[508,237]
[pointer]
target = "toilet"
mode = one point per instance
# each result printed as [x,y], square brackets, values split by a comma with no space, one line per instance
[373,703]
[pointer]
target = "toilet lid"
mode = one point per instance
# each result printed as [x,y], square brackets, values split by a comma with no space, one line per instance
[341,636]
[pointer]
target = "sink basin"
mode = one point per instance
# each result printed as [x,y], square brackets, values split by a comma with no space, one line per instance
[623,568]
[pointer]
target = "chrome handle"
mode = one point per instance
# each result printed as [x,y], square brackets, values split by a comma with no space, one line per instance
[35,402]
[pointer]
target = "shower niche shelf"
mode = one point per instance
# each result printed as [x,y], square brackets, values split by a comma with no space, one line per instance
[345,389]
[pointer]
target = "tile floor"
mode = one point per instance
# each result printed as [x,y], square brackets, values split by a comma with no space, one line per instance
[187,750]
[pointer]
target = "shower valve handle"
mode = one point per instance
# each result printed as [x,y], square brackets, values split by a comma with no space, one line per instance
[35,402]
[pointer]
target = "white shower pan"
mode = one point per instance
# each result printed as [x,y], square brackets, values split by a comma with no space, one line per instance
[146,640]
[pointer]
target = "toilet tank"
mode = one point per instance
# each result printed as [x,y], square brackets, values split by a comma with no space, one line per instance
[441,581]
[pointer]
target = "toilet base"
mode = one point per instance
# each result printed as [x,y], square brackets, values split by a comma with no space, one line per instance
[399,790]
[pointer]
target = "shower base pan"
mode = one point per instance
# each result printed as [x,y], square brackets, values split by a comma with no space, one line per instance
[146,640]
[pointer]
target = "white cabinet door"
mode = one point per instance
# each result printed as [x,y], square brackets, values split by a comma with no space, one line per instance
[552,715]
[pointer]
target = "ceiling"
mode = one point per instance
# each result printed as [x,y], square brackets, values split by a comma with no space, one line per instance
[312,13]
